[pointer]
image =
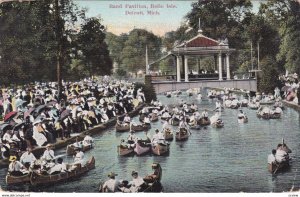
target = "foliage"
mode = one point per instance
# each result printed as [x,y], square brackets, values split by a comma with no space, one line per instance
[133,53]
[94,49]
[268,80]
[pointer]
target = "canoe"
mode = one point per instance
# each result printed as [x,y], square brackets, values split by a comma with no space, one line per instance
[275,116]
[71,149]
[124,150]
[182,135]
[11,180]
[168,135]
[142,127]
[120,128]
[39,179]
[195,127]
[278,167]
[152,182]
[174,122]
[141,148]
[203,121]
[154,118]
[263,116]
[160,149]
[218,124]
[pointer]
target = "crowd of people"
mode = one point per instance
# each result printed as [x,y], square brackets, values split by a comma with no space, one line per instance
[34,116]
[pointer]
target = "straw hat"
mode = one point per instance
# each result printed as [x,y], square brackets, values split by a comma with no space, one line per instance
[12,158]
[112,175]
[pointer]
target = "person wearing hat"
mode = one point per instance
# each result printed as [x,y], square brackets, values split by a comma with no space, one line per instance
[156,174]
[132,138]
[58,167]
[38,136]
[137,183]
[111,185]
[204,114]
[79,156]
[157,137]
[241,114]
[27,158]
[15,166]
[48,153]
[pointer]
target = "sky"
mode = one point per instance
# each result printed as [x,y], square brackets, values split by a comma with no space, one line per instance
[155,16]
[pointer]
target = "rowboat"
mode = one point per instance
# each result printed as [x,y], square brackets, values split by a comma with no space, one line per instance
[168,133]
[203,121]
[122,128]
[182,135]
[195,127]
[39,179]
[141,148]
[218,124]
[276,167]
[71,149]
[11,180]
[142,127]
[160,149]
[275,116]
[152,182]
[124,150]
[174,122]
[154,117]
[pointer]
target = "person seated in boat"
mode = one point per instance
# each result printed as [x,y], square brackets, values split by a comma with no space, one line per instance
[241,115]
[166,125]
[158,137]
[166,115]
[204,114]
[215,118]
[79,157]
[4,151]
[192,121]
[194,107]
[88,141]
[78,143]
[145,110]
[58,167]
[48,154]
[132,138]
[183,124]
[146,120]
[28,158]
[218,105]
[137,184]
[126,119]
[271,157]
[111,185]
[281,155]
[124,187]
[156,174]
[277,110]
[15,167]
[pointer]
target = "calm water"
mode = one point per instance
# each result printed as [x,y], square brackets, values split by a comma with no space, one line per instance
[230,159]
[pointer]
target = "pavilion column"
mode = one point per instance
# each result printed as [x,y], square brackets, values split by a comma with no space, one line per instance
[186,69]
[227,67]
[178,68]
[220,66]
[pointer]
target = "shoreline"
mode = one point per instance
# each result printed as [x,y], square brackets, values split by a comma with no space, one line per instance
[38,151]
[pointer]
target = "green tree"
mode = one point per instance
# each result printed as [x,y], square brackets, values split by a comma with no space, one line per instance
[133,53]
[94,49]
[268,79]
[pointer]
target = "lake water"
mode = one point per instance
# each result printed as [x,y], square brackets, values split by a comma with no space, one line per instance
[230,159]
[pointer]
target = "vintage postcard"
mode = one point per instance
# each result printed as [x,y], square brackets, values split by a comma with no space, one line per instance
[159,96]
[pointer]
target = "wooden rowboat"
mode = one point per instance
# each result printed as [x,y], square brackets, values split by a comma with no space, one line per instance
[122,128]
[142,127]
[277,167]
[154,118]
[203,121]
[71,149]
[124,150]
[182,135]
[11,180]
[39,179]
[160,149]
[168,135]
[218,124]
